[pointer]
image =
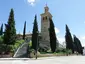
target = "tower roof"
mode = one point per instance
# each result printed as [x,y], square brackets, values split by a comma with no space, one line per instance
[46,8]
[46,13]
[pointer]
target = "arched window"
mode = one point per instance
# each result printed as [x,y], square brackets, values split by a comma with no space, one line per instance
[43,18]
[46,17]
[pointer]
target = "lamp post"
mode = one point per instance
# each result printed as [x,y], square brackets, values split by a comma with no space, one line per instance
[37,44]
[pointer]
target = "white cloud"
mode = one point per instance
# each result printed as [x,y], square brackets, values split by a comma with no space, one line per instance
[31,2]
[83,37]
[60,39]
[57,30]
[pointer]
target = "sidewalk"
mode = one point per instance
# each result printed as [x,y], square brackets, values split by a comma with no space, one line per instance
[45,60]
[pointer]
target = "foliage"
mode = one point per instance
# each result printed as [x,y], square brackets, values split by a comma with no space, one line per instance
[52,34]
[1,30]
[64,51]
[43,52]
[2,47]
[5,49]
[24,30]
[30,44]
[68,39]
[10,31]
[61,50]
[1,39]
[78,46]
[10,48]
[68,51]
[17,44]
[35,34]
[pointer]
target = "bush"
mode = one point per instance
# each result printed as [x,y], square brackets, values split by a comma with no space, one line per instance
[68,51]
[2,46]
[8,49]
[1,39]
[64,51]
[17,44]
[61,50]
[30,44]
[5,49]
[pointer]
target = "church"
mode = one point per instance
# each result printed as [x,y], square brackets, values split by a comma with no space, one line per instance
[44,38]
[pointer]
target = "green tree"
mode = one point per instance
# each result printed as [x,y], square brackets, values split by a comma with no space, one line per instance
[24,31]
[10,31]
[1,30]
[78,45]
[35,36]
[53,39]
[69,40]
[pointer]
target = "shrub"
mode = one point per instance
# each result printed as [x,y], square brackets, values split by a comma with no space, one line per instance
[2,48]
[5,49]
[30,44]
[16,45]
[60,50]
[1,39]
[68,51]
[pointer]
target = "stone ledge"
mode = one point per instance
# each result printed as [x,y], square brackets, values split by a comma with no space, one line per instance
[5,56]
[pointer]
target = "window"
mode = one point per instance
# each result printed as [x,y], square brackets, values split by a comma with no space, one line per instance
[46,17]
[43,18]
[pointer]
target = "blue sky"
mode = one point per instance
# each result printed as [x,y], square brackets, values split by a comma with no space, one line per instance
[70,12]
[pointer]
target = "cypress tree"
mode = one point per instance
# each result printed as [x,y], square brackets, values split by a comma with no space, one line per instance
[10,31]
[1,30]
[78,45]
[68,39]
[35,34]
[24,31]
[52,36]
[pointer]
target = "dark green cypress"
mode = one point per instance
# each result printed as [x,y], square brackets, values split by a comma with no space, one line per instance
[1,30]
[24,31]
[52,36]
[10,31]
[78,45]
[35,34]
[69,40]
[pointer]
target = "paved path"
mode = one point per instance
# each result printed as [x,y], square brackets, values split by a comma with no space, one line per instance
[47,60]
[21,51]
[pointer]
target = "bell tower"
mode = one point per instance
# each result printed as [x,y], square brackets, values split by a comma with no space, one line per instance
[45,24]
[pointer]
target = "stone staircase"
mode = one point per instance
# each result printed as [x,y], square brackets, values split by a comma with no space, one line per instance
[21,51]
